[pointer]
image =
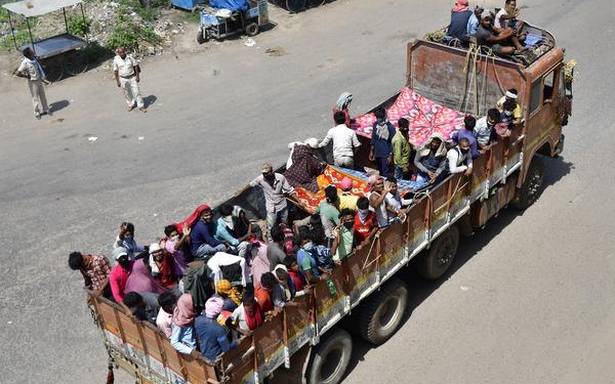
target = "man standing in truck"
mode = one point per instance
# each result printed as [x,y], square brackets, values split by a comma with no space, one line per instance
[345,141]
[275,188]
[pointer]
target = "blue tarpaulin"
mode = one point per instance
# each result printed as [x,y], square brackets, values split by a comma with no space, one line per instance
[233,5]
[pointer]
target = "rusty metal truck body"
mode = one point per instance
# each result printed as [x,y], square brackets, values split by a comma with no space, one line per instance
[508,172]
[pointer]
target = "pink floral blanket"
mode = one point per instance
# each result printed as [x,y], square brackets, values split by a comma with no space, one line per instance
[426,118]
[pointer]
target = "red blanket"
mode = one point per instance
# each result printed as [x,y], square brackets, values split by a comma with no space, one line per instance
[426,118]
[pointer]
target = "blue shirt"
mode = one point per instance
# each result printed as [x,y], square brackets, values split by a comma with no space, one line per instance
[472,25]
[471,136]
[383,148]
[223,233]
[201,234]
[213,339]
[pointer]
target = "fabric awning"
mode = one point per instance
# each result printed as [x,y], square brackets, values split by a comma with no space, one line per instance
[32,8]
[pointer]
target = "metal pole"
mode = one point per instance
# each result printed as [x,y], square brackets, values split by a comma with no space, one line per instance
[65,21]
[30,33]
[84,22]
[12,31]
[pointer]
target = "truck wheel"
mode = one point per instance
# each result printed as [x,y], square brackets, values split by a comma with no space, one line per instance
[440,255]
[382,312]
[330,358]
[252,29]
[201,36]
[532,186]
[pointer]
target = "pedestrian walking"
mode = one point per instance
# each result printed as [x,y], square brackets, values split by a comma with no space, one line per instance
[31,70]
[127,76]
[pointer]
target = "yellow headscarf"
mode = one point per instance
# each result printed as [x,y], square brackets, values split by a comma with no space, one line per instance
[225,288]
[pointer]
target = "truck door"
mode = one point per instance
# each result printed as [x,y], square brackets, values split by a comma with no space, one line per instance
[543,115]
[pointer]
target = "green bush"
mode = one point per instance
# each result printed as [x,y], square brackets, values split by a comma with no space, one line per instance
[128,34]
[79,26]
[21,36]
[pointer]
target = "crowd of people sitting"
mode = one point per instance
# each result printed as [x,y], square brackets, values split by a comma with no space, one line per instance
[219,275]
[501,30]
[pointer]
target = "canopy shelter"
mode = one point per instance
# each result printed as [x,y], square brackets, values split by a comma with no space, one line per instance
[33,8]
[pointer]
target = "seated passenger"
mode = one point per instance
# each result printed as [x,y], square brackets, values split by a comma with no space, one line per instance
[468,133]
[460,14]
[459,158]
[139,308]
[141,280]
[498,39]
[270,295]
[364,221]
[260,262]
[120,273]
[328,210]
[394,200]
[174,245]
[235,265]
[242,227]
[202,242]
[507,17]
[228,294]
[225,231]
[213,337]
[126,240]
[401,150]
[344,236]
[294,272]
[517,112]
[377,200]
[249,315]
[306,167]
[430,162]
[161,266]
[281,273]
[506,115]
[315,261]
[182,328]
[346,198]
[94,269]
[485,128]
[474,20]
[164,320]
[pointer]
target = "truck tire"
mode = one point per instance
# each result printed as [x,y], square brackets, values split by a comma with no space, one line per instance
[382,313]
[202,36]
[436,261]
[330,358]
[532,186]
[252,29]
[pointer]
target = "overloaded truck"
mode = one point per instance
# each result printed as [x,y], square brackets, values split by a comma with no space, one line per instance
[306,342]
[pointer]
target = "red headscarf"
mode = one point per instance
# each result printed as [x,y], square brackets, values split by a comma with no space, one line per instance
[193,218]
[461,6]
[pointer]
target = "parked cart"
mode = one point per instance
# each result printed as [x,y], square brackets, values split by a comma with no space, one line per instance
[60,54]
[224,18]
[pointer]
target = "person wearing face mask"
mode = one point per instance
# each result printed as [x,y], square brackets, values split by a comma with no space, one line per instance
[344,236]
[467,132]
[202,242]
[125,239]
[517,112]
[507,115]
[459,158]
[120,273]
[430,161]
[364,220]
[312,263]
[174,245]
[377,199]
[485,128]
[382,142]
[275,188]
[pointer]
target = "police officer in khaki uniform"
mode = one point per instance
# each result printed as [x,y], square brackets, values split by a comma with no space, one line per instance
[31,70]
[126,71]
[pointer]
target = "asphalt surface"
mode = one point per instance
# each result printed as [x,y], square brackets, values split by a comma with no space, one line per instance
[530,299]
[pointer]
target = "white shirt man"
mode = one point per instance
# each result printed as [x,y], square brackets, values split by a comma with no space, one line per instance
[127,78]
[344,142]
[31,70]
[459,160]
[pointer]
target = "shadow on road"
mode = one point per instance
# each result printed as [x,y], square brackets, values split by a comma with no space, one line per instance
[58,105]
[149,100]
[420,289]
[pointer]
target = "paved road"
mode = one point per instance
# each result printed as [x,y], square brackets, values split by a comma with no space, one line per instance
[531,299]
